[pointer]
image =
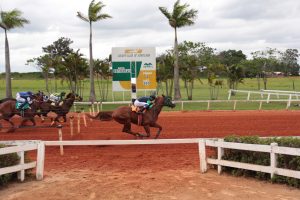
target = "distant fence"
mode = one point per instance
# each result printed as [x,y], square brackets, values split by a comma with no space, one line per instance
[268,93]
[98,106]
[20,148]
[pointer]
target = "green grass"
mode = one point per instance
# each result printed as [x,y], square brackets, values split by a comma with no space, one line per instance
[200,92]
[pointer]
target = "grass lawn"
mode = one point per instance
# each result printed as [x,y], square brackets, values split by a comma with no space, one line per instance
[201,91]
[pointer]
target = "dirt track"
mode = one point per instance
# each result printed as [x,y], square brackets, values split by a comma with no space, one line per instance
[151,171]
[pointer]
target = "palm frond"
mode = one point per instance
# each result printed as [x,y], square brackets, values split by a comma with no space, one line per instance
[13,19]
[165,12]
[82,16]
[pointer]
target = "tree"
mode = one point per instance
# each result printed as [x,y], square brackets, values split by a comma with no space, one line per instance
[44,64]
[103,73]
[180,17]
[9,20]
[165,63]
[289,59]
[267,59]
[94,15]
[231,57]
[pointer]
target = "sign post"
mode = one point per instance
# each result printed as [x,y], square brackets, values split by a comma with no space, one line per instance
[133,69]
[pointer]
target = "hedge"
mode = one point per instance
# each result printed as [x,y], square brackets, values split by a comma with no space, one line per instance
[261,158]
[6,161]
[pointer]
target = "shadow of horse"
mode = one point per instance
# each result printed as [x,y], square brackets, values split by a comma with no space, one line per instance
[60,111]
[124,115]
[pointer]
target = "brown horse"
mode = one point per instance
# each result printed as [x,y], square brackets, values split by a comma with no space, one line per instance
[61,111]
[8,110]
[124,115]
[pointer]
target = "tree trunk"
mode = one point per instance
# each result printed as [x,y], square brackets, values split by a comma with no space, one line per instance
[177,95]
[92,84]
[46,80]
[258,81]
[7,68]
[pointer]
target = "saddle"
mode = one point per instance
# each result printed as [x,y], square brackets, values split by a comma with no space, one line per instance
[137,109]
[139,112]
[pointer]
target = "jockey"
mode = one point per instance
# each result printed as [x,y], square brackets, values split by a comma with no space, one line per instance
[23,98]
[145,102]
[57,98]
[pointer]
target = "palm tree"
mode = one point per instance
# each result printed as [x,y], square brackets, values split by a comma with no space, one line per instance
[180,17]
[10,20]
[94,15]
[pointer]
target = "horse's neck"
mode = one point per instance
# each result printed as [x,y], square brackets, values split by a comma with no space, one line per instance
[156,109]
[68,103]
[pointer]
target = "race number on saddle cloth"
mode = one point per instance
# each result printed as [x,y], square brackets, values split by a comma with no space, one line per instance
[144,103]
[24,100]
[57,98]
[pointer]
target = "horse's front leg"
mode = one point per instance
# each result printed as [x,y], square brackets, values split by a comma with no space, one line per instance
[156,125]
[33,121]
[147,129]
[65,118]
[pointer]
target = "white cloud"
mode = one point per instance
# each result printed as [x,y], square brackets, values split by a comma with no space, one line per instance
[247,25]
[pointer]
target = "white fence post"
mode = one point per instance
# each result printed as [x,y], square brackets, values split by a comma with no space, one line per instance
[268,99]
[21,174]
[248,97]
[289,102]
[260,105]
[202,155]
[229,94]
[220,155]
[234,105]
[273,159]
[40,161]
[208,104]
[181,105]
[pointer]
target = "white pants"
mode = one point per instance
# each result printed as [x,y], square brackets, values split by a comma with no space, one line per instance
[54,98]
[137,103]
[22,100]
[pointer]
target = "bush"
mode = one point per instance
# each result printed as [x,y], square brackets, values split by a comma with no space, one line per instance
[6,161]
[261,158]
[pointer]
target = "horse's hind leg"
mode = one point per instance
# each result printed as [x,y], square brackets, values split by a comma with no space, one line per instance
[159,129]
[127,129]
[12,128]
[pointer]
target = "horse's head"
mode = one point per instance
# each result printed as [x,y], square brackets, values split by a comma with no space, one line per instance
[165,101]
[39,96]
[74,96]
[78,98]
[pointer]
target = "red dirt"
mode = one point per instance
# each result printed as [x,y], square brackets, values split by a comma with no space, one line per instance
[151,171]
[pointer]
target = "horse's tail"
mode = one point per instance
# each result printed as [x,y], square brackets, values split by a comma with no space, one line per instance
[103,116]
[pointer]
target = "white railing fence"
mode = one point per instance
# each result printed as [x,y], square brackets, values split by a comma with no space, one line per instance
[20,148]
[268,93]
[234,103]
[273,149]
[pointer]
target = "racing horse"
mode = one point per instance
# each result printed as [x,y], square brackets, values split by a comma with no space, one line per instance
[124,115]
[8,110]
[61,111]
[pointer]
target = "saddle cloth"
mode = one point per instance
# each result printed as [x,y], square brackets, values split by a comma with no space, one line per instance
[25,107]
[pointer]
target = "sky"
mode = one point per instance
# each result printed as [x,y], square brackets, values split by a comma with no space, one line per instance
[247,25]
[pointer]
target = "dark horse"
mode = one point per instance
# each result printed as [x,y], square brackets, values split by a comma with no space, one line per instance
[61,111]
[124,115]
[8,110]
